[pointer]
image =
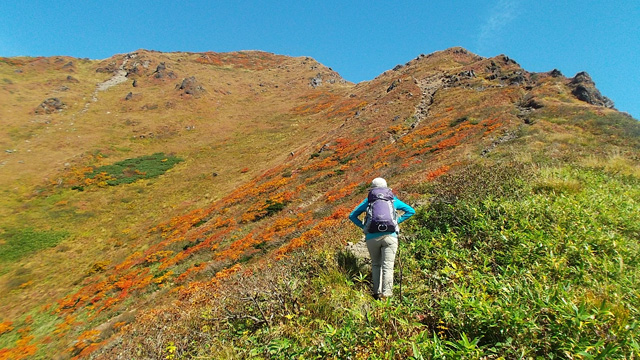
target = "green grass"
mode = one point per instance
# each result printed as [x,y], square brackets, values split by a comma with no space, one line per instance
[504,263]
[18,243]
[547,273]
[130,170]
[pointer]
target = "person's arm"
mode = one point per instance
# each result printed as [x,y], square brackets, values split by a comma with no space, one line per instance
[408,210]
[357,211]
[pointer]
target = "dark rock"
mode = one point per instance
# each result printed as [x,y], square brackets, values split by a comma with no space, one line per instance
[584,89]
[508,60]
[467,73]
[162,72]
[532,103]
[49,106]
[72,79]
[516,78]
[397,67]
[68,65]
[134,83]
[394,84]
[134,70]
[129,96]
[582,78]
[191,86]
[555,73]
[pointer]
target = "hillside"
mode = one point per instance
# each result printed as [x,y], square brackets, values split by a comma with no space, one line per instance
[194,204]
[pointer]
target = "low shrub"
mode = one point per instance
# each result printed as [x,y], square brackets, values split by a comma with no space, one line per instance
[130,170]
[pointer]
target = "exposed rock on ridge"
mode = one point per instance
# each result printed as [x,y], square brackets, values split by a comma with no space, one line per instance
[585,89]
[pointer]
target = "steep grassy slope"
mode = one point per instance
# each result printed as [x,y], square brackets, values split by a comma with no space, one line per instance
[247,261]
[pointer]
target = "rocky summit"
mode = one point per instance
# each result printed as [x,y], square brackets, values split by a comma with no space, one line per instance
[194,205]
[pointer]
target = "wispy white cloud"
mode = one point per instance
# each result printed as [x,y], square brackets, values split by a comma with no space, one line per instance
[500,15]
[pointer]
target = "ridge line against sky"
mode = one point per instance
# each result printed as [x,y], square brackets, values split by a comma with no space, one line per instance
[360,40]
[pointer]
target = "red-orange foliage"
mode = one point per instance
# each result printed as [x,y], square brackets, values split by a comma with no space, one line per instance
[202,291]
[259,209]
[23,349]
[192,270]
[438,172]
[340,193]
[5,326]
[86,343]
[316,102]
[158,255]
[339,215]
[453,141]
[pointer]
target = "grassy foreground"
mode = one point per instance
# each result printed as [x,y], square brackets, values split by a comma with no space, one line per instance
[504,263]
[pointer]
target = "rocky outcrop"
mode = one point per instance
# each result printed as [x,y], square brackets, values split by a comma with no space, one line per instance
[316,81]
[163,73]
[555,73]
[585,90]
[50,106]
[191,86]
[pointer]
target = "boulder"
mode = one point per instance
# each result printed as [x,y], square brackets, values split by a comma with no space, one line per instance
[555,73]
[584,89]
[393,85]
[162,72]
[316,81]
[49,106]
[72,79]
[190,86]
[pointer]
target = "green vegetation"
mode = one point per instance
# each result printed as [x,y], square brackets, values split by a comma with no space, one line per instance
[495,267]
[458,121]
[130,170]
[17,243]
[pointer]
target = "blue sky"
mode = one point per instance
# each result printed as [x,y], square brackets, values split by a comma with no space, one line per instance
[358,39]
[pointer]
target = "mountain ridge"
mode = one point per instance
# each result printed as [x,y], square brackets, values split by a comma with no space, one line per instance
[288,144]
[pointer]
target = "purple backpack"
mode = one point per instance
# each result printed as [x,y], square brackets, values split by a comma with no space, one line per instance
[381,214]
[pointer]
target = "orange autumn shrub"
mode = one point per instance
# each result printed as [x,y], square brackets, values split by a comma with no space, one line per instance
[158,255]
[438,172]
[223,274]
[87,340]
[23,349]
[192,270]
[330,221]
[5,326]
[342,192]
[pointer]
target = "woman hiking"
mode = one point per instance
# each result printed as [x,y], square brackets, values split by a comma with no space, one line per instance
[381,233]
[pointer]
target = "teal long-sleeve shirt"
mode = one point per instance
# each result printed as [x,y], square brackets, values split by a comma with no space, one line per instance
[397,203]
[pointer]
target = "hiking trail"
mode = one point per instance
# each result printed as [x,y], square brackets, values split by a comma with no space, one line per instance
[119,77]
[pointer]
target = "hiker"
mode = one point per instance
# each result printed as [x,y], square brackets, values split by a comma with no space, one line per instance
[381,233]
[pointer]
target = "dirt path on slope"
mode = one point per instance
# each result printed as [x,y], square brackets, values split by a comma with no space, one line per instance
[119,77]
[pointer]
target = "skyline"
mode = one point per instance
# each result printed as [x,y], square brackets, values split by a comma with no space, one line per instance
[358,40]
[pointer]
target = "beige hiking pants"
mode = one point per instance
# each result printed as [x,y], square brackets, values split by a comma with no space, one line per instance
[383,254]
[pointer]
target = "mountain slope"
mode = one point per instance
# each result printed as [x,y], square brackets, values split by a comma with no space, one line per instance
[274,154]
